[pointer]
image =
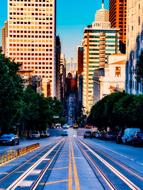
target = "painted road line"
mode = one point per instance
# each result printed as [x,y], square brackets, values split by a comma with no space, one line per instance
[114,170]
[110,185]
[70,170]
[122,166]
[54,182]
[26,173]
[62,168]
[76,179]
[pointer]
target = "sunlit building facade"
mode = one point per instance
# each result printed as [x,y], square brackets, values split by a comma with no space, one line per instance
[31,38]
[100,41]
[117,17]
[134,45]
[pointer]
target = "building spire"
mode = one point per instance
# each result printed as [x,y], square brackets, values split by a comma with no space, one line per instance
[102,4]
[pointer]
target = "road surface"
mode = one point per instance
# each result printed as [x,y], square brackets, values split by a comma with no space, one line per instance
[73,163]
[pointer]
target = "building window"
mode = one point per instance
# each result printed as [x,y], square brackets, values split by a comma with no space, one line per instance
[117,71]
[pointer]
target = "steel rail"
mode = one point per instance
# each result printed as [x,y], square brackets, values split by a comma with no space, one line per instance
[23,164]
[96,169]
[128,182]
[28,171]
[37,182]
[119,163]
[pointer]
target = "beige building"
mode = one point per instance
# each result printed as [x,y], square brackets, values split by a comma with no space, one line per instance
[100,41]
[4,37]
[114,75]
[134,45]
[31,38]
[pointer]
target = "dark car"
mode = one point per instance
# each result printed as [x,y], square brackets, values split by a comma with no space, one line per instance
[137,139]
[110,135]
[87,134]
[119,137]
[9,139]
[64,133]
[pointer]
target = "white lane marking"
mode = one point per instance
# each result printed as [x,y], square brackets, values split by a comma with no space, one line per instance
[114,170]
[26,183]
[35,172]
[27,172]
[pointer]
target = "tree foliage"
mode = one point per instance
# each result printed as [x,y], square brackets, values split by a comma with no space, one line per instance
[24,107]
[10,92]
[118,109]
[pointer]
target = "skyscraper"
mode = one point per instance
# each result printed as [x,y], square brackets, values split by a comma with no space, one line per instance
[117,17]
[100,40]
[31,38]
[134,78]
[80,60]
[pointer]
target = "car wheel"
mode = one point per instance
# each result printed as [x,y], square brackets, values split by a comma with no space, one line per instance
[13,143]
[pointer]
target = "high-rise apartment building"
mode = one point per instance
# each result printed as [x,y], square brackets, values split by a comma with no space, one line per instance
[31,38]
[134,78]
[117,17]
[100,41]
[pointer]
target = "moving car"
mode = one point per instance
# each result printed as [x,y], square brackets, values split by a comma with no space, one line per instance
[35,135]
[9,139]
[87,134]
[64,133]
[129,133]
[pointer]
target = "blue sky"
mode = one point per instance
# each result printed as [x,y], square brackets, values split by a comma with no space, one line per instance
[72,17]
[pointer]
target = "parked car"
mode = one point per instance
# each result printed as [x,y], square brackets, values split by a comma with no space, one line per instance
[119,137]
[87,134]
[9,139]
[97,135]
[110,135]
[129,133]
[94,134]
[44,134]
[35,135]
[65,126]
[137,139]
[88,126]
[64,133]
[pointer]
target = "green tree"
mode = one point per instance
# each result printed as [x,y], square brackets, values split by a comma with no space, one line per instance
[10,92]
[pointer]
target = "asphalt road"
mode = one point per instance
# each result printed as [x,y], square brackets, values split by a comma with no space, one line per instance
[73,163]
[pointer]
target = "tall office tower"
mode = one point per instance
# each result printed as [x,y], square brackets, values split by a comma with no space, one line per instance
[58,59]
[100,40]
[80,60]
[117,17]
[31,38]
[62,77]
[4,38]
[134,78]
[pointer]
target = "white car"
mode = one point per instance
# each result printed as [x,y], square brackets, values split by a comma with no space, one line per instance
[35,135]
[129,134]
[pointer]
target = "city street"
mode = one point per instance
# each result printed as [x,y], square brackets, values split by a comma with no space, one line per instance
[74,163]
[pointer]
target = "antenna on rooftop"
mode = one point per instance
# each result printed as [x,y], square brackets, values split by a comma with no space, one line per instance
[102,4]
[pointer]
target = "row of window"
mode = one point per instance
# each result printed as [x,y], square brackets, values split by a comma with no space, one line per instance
[30,36]
[31,45]
[32,4]
[29,32]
